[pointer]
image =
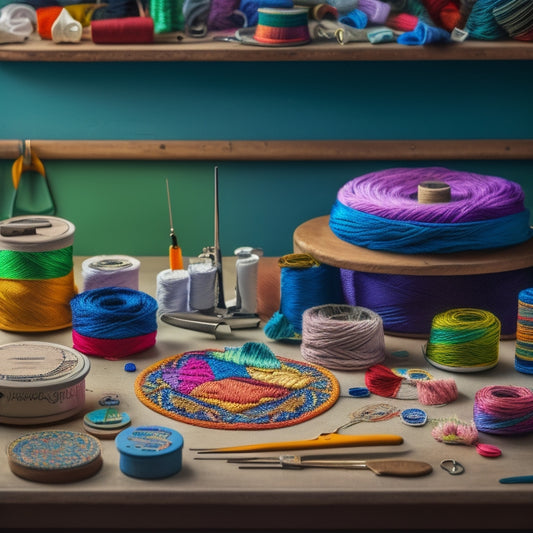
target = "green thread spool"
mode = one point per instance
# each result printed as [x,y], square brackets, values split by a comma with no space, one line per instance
[464,340]
[35,265]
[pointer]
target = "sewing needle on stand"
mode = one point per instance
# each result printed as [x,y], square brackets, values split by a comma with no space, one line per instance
[174,253]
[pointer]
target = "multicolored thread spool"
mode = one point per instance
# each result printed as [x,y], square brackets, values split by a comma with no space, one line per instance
[464,340]
[383,211]
[278,27]
[113,322]
[504,410]
[524,333]
[36,273]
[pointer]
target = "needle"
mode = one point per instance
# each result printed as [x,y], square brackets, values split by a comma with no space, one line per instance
[174,252]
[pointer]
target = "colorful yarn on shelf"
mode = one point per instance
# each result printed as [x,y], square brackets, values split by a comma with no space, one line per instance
[444,13]
[304,283]
[113,322]
[504,410]
[279,26]
[383,381]
[342,337]
[524,332]
[380,211]
[464,340]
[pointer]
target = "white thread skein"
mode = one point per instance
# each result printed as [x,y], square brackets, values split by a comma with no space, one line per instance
[202,287]
[172,291]
[110,271]
[342,337]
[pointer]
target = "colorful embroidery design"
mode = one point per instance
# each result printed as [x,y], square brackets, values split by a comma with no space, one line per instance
[245,387]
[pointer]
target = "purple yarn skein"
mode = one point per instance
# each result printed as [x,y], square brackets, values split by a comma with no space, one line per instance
[392,194]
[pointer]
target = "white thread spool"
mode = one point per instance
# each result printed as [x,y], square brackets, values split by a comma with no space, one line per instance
[342,337]
[172,291]
[110,271]
[202,286]
[246,268]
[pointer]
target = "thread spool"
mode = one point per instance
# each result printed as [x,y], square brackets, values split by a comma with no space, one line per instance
[172,291]
[110,271]
[113,322]
[278,27]
[304,283]
[431,192]
[203,278]
[524,332]
[342,337]
[464,340]
[246,267]
[126,30]
[504,410]
[36,273]
[379,211]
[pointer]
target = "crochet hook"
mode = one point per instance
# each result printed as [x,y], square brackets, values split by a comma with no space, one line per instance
[380,467]
[327,440]
[174,252]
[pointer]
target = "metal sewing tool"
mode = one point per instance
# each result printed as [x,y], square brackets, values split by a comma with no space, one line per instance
[217,320]
[380,467]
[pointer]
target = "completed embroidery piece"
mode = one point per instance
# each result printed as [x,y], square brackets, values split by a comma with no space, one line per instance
[245,387]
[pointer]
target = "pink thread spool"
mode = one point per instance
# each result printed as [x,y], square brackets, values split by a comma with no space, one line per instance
[127,30]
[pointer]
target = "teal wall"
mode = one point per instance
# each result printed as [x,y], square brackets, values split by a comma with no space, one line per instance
[120,206]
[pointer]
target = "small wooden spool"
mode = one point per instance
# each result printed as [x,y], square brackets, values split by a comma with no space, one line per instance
[434,192]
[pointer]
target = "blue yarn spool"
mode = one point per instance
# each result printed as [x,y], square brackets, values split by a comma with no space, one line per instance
[414,237]
[113,313]
[304,283]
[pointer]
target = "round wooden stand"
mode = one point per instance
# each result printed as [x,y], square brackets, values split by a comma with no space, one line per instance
[315,237]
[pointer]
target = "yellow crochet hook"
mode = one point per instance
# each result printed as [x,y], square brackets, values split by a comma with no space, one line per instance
[326,440]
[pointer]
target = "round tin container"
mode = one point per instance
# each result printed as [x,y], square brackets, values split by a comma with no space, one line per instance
[149,452]
[40,382]
[36,233]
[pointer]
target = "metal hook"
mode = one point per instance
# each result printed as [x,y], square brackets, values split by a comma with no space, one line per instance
[452,467]
[26,152]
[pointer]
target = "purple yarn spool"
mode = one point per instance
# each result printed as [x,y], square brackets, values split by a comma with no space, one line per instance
[407,304]
[392,194]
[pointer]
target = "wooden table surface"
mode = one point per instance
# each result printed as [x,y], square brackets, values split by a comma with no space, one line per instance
[215,495]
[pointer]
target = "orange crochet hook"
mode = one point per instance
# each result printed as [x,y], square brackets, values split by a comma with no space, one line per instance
[326,440]
[175,257]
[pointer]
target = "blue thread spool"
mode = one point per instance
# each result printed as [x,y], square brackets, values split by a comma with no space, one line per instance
[150,452]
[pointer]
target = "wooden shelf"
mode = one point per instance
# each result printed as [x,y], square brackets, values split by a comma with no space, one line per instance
[275,150]
[207,50]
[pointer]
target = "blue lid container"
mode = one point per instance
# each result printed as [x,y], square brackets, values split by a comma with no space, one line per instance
[149,452]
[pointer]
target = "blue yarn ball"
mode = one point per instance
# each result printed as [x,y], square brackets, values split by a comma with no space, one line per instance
[113,313]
